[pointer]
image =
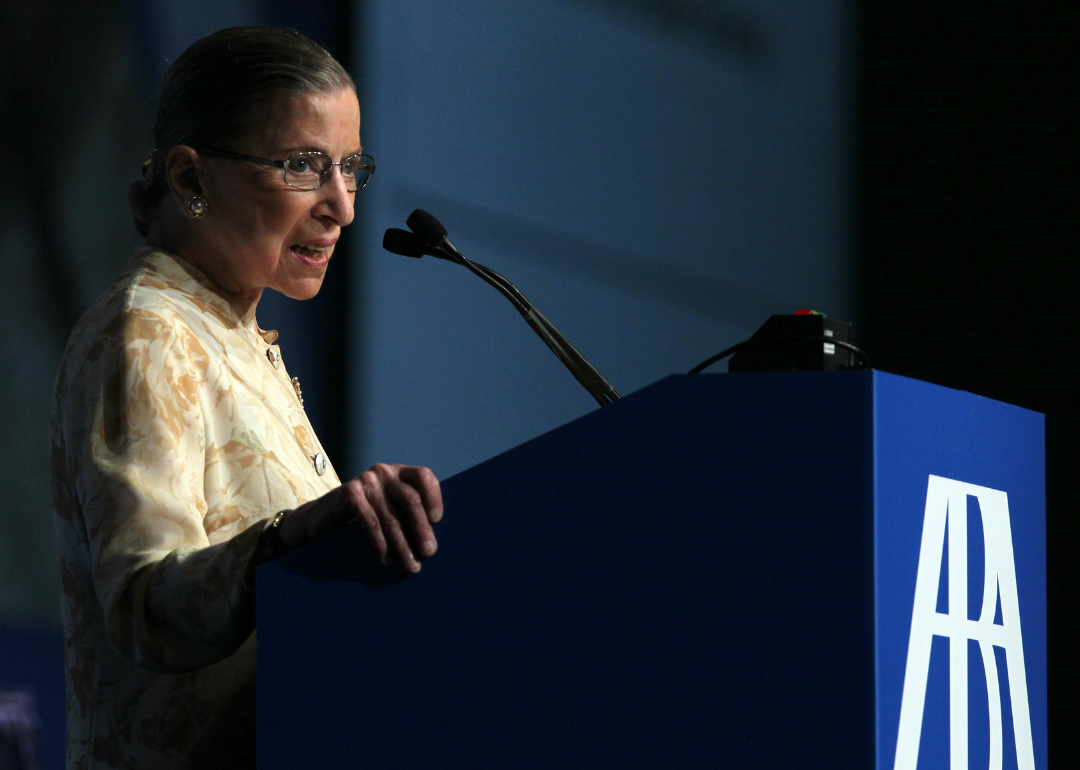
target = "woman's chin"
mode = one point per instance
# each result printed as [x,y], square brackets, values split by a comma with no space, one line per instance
[305,276]
[302,288]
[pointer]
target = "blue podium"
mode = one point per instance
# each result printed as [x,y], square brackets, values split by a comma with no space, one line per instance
[775,570]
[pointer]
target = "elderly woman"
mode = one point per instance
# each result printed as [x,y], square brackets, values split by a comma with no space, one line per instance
[181,454]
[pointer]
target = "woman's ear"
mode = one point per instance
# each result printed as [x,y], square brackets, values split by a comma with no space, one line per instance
[183,168]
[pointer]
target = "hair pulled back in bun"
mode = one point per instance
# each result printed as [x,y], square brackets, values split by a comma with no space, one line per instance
[216,92]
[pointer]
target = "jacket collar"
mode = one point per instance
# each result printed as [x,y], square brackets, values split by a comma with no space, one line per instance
[180,274]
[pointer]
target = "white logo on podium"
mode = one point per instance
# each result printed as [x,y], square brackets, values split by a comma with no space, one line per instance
[946,502]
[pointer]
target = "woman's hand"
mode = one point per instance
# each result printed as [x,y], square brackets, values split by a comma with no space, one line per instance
[395,504]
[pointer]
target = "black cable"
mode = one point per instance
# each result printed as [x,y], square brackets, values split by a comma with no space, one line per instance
[779,341]
[712,360]
[853,349]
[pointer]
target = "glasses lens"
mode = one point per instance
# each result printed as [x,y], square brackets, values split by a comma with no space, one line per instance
[357,170]
[305,170]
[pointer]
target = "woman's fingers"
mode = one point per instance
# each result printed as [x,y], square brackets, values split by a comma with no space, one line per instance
[357,500]
[397,547]
[397,504]
[410,511]
[413,496]
[427,486]
[393,520]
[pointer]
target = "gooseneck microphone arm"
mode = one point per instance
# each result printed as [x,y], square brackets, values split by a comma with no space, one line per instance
[583,371]
[429,237]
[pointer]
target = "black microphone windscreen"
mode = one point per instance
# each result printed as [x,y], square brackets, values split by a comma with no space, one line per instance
[427,227]
[403,242]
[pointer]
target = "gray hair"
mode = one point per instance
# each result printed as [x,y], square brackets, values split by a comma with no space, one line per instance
[217,90]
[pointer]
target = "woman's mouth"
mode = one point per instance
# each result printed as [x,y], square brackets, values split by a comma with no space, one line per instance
[312,255]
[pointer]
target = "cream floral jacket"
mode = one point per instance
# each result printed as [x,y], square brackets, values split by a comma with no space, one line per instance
[176,432]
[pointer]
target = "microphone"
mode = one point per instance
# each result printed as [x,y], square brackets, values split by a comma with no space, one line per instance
[432,232]
[426,226]
[430,237]
[398,241]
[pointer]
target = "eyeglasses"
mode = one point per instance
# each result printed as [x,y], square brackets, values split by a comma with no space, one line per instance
[310,169]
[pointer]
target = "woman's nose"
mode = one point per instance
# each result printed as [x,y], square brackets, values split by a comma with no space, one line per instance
[340,202]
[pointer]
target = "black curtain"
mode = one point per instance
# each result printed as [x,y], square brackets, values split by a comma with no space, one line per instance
[969,237]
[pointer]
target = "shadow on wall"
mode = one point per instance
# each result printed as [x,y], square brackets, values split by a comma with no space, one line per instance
[70,102]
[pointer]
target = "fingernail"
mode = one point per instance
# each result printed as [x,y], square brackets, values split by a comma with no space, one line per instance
[428,547]
[436,515]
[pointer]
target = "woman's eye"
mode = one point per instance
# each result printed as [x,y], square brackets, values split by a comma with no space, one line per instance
[299,165]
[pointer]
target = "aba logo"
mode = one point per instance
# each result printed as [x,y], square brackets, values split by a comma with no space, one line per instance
[946,507]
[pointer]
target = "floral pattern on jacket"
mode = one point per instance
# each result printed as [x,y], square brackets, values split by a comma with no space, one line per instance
[175,434]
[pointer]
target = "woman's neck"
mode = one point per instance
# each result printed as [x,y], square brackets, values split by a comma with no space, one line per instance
[186,245]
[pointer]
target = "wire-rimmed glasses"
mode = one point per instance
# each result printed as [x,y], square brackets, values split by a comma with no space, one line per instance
[309,169]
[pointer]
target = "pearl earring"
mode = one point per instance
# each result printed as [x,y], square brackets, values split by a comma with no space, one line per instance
[198,207]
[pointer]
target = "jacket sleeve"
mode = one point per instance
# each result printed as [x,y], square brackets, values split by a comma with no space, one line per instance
[172,601]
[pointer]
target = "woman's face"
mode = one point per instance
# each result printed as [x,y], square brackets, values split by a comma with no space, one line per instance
[262,233]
